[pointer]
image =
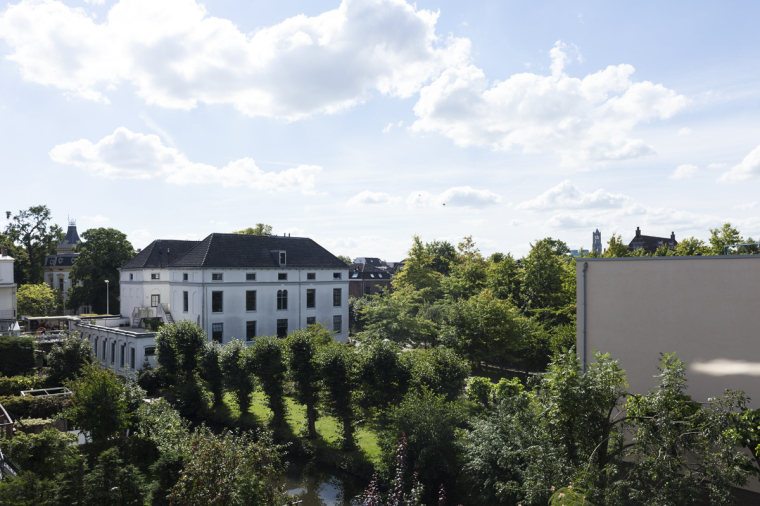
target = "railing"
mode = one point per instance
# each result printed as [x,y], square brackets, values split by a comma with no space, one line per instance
[7,467]
[6,423]
[161,313]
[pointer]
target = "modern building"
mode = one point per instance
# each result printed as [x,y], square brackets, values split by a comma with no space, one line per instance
[57,267]
[367,279]
[237,286]
[7,293]
[650,243]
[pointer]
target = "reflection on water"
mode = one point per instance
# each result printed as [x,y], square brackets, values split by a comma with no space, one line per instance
[317,488]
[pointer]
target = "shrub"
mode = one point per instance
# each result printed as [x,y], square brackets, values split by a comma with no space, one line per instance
[42,453]
[16,355]
[34,407]
[479,390]
[15,384]
[69,357]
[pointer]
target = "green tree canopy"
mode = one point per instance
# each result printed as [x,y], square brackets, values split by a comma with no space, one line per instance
[99,404]
[180,347]
[722,237]
[338,366]
[102,252]
[259,229]
[268,361]
[30,229]
[442,256]
[616,248]
[39,300]
[237,370]
[418,273]
[301,349]
[690,247]
[69,357]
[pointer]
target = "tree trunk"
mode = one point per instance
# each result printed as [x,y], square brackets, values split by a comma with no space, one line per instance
[311,420]
[348,434]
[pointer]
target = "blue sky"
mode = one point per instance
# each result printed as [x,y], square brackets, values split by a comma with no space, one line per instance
[355,122]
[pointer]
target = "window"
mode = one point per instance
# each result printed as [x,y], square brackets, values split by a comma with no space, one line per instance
[282,276]
[336,275]
[217,300]
[217,330]
[131,277]
[311,275]
[250,300]
[104,349]
[311,320]
[282,258]
[372,275]
[155,275]
[113,353]
[250,276]
[337,323]
[311,295]
[184,276]
[60,284]
[355,275]
[185,302]
[282,328]
[216,276]
[121,355]
[282,299]
[336,297]
[155,300]
[95,346]
[250,330]
[132,358]
[368,290]
[150,351]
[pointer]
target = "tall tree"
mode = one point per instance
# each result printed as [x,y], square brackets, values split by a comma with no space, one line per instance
[39,300]
[691,246]
[30,228]
[338,366]
[443,254]
[616,248]
[69,357]
[236,370]
[102,253]
[726,235]
[269,367]
[418,272]
[99,404]
[303,369]
[259,229]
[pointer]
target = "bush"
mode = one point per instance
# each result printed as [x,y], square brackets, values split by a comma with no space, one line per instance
[34,407]
[15,384]
[441,370]
[479,390]
[149,379]
[34,425]
[69,357]
[16,355]
[42,453]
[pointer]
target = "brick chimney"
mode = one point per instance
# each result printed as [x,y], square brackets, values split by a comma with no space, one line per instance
[638,232]
[672,236]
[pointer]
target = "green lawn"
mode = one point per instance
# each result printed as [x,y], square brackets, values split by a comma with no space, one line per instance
[328,427]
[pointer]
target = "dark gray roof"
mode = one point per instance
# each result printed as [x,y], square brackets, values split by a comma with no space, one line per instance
[160,253]
[62,260]
[243,251]
[71,239]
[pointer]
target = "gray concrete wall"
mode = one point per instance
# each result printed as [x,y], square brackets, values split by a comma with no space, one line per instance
[706,309]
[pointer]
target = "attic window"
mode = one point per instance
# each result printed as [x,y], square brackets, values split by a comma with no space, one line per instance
[184,276]
[131,277]
[155,275]
[336,275]
[355,275]
[311,275]
[216,276]
[282,276]
[250,276]
[372,275]
[282,258]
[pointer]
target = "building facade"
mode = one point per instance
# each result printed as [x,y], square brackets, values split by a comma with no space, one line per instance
[367,279]
[650,243]
[238,286]
[57,267]
[8,306]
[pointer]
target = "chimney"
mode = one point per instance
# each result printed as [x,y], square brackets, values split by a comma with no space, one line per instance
[638,232]
[672,236]
[5,251]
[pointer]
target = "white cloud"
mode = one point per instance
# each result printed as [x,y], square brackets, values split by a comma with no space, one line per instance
[388,128]
[95,219]
[748,205]
[95,2]
[139,238]
[685,131]
[372,198]
[582,119]
[462,196]
[685,171]
[515,223]
[716,165]
[568,196]
[125,154]
[176,55]
[748,168]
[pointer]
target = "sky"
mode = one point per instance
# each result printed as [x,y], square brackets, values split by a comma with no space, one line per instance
[364,122]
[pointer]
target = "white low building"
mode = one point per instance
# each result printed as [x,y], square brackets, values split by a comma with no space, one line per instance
[7,293]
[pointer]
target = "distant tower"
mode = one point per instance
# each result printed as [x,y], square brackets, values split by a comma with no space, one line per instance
[597,243]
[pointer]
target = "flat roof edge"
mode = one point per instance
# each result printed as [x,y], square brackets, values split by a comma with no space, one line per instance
[694,257]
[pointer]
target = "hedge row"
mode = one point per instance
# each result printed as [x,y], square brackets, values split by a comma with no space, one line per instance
[34,407]
[16,355]
[15,384]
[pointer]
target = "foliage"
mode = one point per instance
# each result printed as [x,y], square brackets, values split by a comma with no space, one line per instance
[430,424]
[28,489]
[69,357]
[441,370]
[236,370]
[268,364]
[42,453]
[442,255]
[101,254]
[346,259]
[112,482]
[34,407]
[148,378]
[569,496]
[99,404]
[563,338]
[338,366]
[383,377]
[230,469]
[397,494]
[159,423]
[33,425]
[691,246]
[616,248]
[167,470]
[13,385]
[134,394]
[545,280]
[16,355]
[504,279]
[39,300]
[180,347]
[212,369]
[30,229]
[259,229]
[303,369]
[722,237]
[397,318]
[418,273]
[480,390]
[507,388]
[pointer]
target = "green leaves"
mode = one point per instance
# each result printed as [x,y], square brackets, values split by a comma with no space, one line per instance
[38,300]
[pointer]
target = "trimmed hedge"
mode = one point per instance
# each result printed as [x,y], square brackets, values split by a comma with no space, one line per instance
[15,384]
[34,407]
[16,355]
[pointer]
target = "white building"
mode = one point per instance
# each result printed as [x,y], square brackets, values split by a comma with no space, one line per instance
[7,292]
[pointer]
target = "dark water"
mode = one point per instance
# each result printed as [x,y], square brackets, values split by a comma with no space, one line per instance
[321,488]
